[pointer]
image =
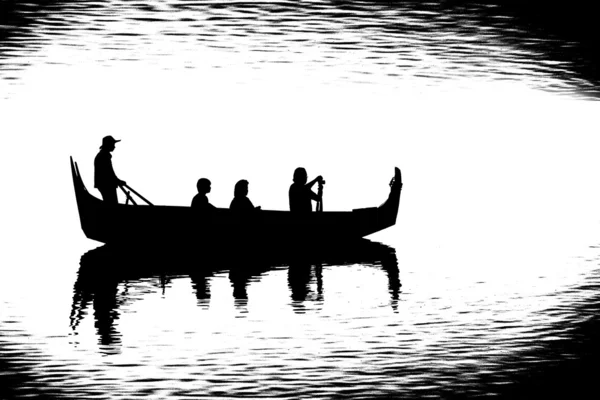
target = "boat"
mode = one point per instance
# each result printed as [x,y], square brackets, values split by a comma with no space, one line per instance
[147,223]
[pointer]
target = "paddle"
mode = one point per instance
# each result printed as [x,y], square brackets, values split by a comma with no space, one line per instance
[320,194]
[128,196]
[134,192]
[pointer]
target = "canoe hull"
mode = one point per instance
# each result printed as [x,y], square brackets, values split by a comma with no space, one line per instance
[123,223]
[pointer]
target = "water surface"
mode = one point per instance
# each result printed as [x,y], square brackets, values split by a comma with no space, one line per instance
[486,286]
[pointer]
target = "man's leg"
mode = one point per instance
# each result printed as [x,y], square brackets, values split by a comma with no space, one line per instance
[109,195]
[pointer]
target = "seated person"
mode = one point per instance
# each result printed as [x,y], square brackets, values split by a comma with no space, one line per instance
[240,201]
[300,192]
[200,201]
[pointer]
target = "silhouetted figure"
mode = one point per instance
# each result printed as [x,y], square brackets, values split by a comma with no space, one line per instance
[240,201]
[200,201]
[300,192]
[101,291]
[105,179]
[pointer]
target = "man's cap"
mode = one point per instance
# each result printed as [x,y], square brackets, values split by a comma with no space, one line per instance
[108,140]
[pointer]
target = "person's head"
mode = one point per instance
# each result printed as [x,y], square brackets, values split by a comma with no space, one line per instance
[203,186]
[241,188]
[108,143]
[300,176]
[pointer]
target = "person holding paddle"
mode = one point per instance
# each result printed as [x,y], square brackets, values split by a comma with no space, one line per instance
[105,179]
[301,194]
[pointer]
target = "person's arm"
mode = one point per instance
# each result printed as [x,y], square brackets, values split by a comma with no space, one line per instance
[308,186]
[314,196]
[207,203]
[251,206]
[311,183]
[117,181]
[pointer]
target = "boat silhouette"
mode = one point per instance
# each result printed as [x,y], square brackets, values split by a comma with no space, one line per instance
[159,223]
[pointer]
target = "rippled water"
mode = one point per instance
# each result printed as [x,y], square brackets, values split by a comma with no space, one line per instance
[322,41]
[349,328]
[487,285]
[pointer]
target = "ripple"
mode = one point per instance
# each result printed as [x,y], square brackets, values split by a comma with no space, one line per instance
[456,37]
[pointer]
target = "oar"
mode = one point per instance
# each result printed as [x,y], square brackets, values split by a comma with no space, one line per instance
[138,195]
[128,196]
[320,194]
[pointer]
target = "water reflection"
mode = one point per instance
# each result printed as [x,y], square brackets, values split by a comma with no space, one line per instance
[97,285]
[305,272]
[300,276]
[110,278]
[201,286]
[107,272]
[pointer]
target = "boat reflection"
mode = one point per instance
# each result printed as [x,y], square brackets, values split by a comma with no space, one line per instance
[99,290]
[109,276]
[300,278]
[305,270]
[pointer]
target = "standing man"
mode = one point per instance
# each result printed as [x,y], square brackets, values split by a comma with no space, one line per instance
[105,179]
